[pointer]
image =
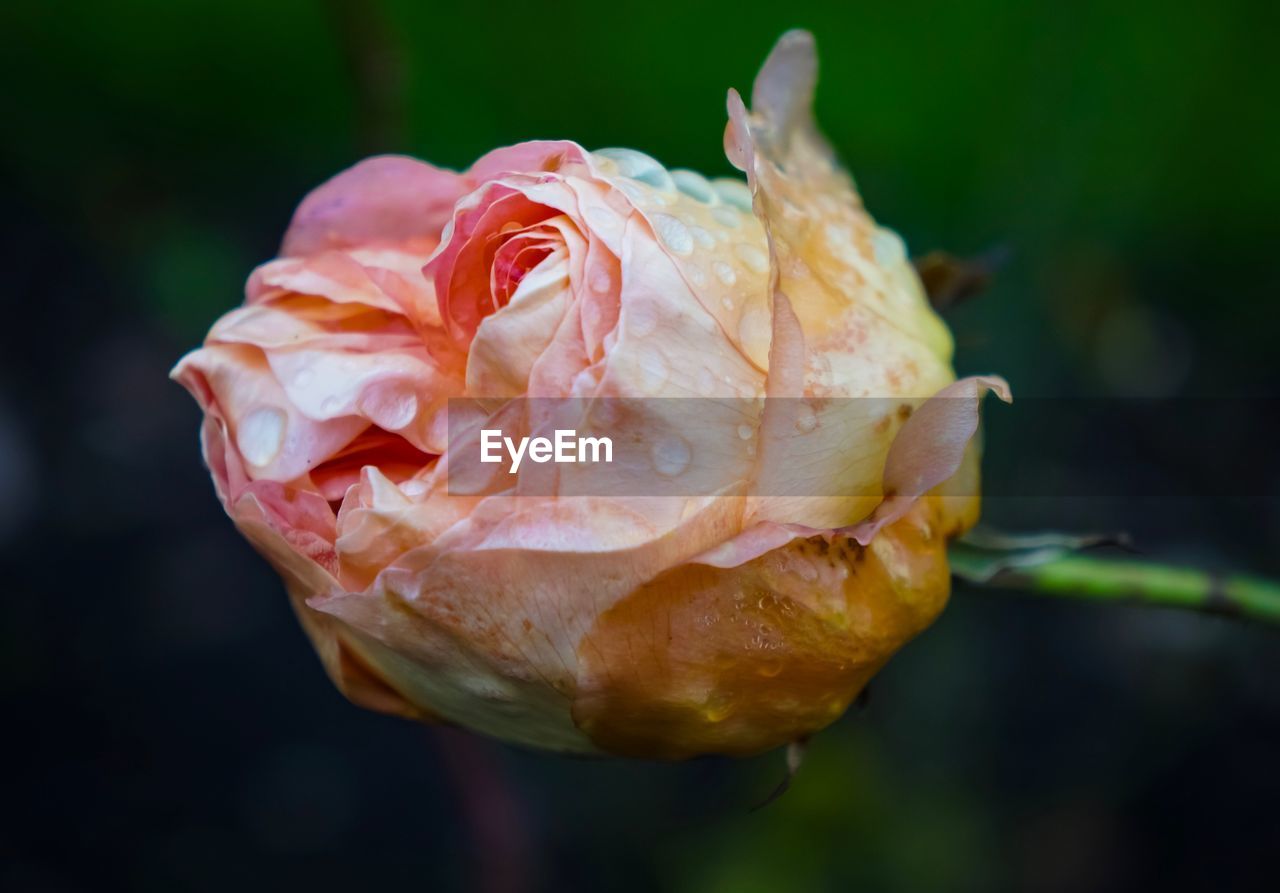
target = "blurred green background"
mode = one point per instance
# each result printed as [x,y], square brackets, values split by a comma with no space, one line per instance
[177,733]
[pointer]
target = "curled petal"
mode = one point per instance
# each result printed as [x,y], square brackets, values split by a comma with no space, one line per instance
[932,454]
[273,437]
[523,158]
[930,448]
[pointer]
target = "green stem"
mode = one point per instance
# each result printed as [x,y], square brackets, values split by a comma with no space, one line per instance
[1144,583]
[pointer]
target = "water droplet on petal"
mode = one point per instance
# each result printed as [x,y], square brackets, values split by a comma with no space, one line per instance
[695,186]
[642,319]
[674,234]
[726,216]
[604,413]
[733,192]
[756,330]
[653,371]
[718,707]
[303,378]
[631,190]
[745,431]
[806,419]
[706,382]
[600,279]
[602,219]
[260,435]
[888,247]
[702,237]
[724,273]
[414,488]
[755,258]
[638,166]
[391,406]
[671,456]
[819,372]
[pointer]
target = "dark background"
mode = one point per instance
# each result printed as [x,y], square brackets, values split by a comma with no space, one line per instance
[167,724]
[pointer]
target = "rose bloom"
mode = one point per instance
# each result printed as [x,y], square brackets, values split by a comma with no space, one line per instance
[664,626]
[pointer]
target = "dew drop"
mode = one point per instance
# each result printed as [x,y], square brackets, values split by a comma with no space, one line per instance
[671,456]
[303,378]
[769,669]
[733,192]
[702,237]
[694,185]
[601,219]
[718,707]
[631,191]
[653,371]
[753,257]
[261,435]
[638,166]
[888,247]
[604,413]
[806,419]
[414,488]
[600,279]
[329,406]
[727,216]
[724,273]
[745,431]
[674,234]
[820,373]
[391,407]
[643,319]
[755,331]
[706,382]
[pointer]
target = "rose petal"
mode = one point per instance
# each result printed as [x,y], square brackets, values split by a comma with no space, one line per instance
[388,198]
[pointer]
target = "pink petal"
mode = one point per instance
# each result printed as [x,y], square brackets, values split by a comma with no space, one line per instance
[388,198]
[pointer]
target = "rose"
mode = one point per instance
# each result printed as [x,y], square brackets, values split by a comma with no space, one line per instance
[729,620]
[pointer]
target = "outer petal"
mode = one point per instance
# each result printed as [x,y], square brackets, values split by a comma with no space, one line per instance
[385,199]
[273,438]
[934,454]
[849,320]
[739,660]
[487,625]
